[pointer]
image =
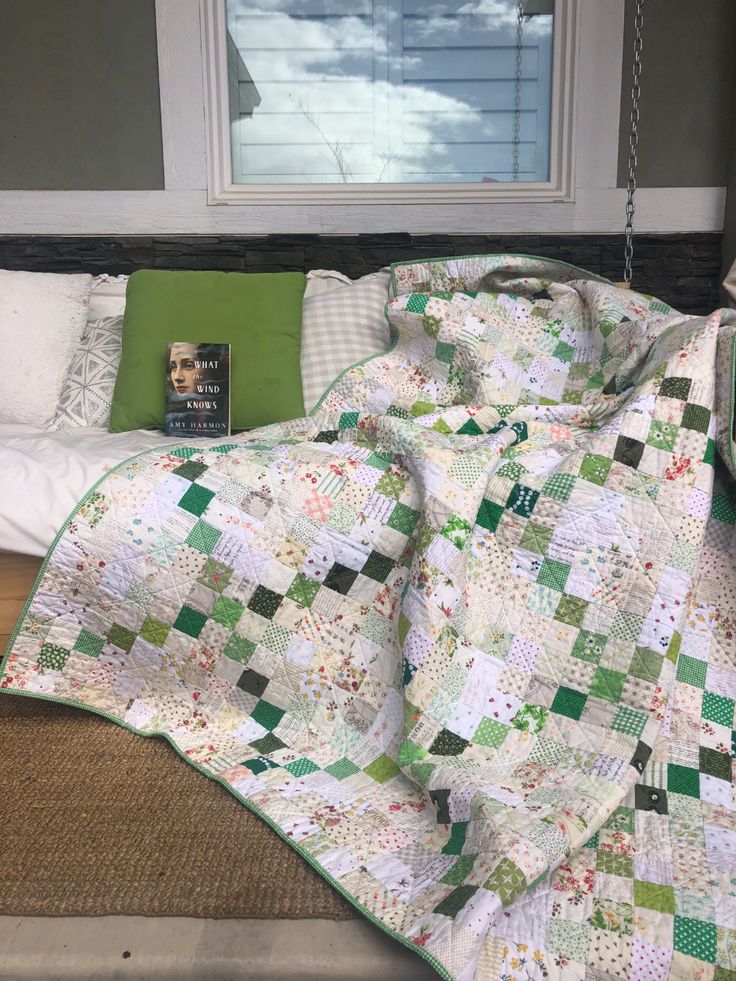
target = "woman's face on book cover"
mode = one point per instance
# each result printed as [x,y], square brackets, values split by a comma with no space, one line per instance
[182,368]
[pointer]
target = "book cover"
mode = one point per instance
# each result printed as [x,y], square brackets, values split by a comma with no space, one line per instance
[198,389]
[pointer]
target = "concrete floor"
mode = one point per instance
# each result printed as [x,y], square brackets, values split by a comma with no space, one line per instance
[139,948]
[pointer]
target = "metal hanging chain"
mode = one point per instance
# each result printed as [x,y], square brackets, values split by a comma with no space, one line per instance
[517,89]
[633,141]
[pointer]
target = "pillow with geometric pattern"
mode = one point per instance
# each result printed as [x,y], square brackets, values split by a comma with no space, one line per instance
[87,391]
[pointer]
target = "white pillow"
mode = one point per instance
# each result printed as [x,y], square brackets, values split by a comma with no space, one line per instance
[42,317]
[343,322]
[107,298]
[87,391]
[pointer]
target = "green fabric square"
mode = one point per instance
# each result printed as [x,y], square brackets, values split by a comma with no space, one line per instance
[691,671]
[675,388]
[276,638]
[163,306]
[460,870]
[196,499]
[535,538]
[522,500]
[589,646]
[203,537]
[191,469]
[651,895]
[391,485]
[348,420]
[630,721]
[564,351]
[381,461]
[718,708]
[696,938]
[447,743]
[377,566]
[452,904]
[303,590]
[456,840]
[382,769]
[301,767]
[613,863]
[403,519]
[268,744]
[155,631]
[190,621]
[417,302]
[715,764]
[341,769]
[470,428]
[595,468]
[265,602]
[709,457]
[227,612]
[267,715]
[608,684]
[239,649]
[571,609]
[445,352]
[489,515]
[559,486]
[507,880]
[569,702]
[421,408]
[53,656]
[696,417]
[121,637]
[683,780]
[215,575]
[490,733]
[90,644]
[646,664]
[662,435]
[259,764]
[553,574]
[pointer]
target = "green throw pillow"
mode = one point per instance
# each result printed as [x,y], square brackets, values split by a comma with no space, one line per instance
[258,314]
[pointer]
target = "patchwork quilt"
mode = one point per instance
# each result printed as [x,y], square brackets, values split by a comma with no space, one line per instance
[465,637]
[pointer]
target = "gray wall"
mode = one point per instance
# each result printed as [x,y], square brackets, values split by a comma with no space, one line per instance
[79,104]
[686,93]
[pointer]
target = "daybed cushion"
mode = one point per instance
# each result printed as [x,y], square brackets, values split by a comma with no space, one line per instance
[344,322]
[42,317]
[44,475]
[258,314]
[86,395]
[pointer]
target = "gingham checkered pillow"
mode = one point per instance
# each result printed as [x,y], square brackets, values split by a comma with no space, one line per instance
[343,322]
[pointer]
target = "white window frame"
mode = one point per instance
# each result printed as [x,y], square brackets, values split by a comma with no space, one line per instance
[222,190]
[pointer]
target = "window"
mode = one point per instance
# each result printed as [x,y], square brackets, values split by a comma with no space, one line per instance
[389,91]
[389,100]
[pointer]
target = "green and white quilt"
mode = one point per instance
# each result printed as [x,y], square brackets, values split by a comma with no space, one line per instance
[466,637]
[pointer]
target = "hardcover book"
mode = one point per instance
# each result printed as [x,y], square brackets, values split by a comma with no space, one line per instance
[198,389]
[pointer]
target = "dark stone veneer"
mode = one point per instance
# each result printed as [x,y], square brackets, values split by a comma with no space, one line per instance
[682,269]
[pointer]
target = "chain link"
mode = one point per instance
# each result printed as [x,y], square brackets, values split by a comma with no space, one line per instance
[633,140]
[517,89]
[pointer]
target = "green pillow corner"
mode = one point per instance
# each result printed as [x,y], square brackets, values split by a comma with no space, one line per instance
[258,314]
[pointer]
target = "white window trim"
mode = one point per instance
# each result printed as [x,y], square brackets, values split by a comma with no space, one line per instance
[222,190]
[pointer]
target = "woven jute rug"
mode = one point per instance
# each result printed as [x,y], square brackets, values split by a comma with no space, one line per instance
[97,820]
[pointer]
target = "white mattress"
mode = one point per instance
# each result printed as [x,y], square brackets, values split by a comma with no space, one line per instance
[43,475]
